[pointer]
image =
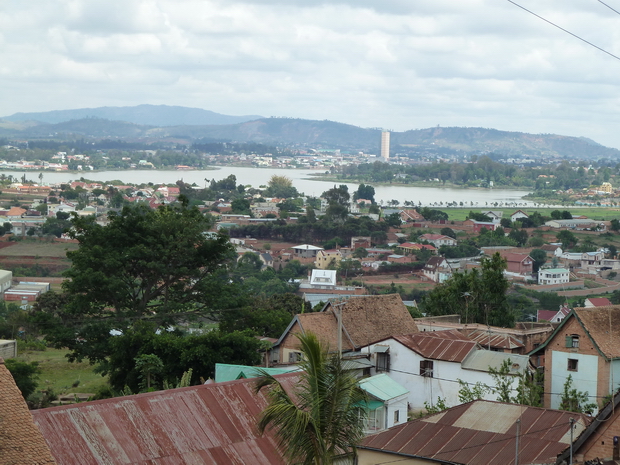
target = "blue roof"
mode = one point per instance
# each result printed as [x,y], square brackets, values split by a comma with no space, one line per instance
[383,387]
[225,372]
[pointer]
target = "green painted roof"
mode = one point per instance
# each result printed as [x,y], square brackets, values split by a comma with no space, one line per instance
[555,270]
[225,372]
[382,387]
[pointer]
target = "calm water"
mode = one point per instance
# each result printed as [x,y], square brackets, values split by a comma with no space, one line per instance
[260,176]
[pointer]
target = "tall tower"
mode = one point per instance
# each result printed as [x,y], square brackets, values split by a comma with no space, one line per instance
[385,145]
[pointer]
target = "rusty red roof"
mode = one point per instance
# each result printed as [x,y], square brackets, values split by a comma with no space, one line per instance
[496,340]
[480,433]
[449,345]
[213,423]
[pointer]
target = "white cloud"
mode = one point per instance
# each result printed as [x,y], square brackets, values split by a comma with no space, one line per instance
[397,64]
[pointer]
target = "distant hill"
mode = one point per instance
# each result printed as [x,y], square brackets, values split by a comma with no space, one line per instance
[149,115]
[149,123]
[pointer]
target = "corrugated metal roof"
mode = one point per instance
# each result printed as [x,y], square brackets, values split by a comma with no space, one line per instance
[449,345]
[496,340]
[214,423]
[481,433]
[383,387]
[481,360]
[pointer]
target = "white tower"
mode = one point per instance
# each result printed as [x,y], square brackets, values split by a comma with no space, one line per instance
[385,145]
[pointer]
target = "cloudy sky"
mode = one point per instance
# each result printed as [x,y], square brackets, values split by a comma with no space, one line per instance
[397,64]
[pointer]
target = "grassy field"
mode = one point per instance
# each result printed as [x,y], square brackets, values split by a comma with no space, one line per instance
[460,214]
[38,248]
[602,213]
[60,375]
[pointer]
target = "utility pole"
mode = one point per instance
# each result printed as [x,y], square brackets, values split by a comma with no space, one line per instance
[572,422]
[517,441]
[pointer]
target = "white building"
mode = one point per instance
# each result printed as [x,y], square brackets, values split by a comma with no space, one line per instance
[385,145]
[553,276]
[429,364]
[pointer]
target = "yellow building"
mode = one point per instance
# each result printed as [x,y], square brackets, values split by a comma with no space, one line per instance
[325,258]
[606,187]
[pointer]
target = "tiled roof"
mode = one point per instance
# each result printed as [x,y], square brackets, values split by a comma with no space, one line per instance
[368,318]
[21,442]
[449,345]
[481,433]
[598,321]
[515,257]
[213,423]
[599,301]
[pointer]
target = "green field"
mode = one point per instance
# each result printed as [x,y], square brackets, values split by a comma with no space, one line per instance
[60,375]
[596,213]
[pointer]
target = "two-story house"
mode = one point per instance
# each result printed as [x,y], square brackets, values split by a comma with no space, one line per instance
[430,363]
[585,346]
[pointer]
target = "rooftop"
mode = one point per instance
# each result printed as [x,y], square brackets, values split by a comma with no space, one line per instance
[212,423]
[481,433]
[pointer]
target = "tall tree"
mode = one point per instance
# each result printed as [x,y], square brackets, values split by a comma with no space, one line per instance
[324,417]
[145,264]
[479,296]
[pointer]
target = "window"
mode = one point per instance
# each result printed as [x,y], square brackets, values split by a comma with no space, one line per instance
[426,368]
[383,362]
[572,341]
[294,357]
[396,416]
[572,364]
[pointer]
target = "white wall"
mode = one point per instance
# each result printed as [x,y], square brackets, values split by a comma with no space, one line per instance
[584,379]
[405,370]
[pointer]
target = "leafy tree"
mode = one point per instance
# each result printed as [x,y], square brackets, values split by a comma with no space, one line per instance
[365,191]
[325,415]
[540,257]
[178,353]
[264,316]
[503,381]
[393,220]
[145,264]
[148,365]
[478,216]
[469,393]
[360,252]
[479,296]
[240,206]
[567,238]
[574,400]
[615,225]
[25,375]
[338,203]
[281,187]
[448,232]
[520,236]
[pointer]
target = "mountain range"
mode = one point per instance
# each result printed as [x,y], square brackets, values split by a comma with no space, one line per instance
[149,123]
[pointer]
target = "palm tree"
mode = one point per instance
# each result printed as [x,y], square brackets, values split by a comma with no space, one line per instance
[324,417]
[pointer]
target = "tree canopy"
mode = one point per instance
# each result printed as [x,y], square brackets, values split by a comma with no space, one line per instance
[145,264]
[479,295]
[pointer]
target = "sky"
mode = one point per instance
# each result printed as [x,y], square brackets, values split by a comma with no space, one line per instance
[392,64]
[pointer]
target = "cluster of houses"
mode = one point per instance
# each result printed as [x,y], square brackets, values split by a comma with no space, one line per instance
[403,364]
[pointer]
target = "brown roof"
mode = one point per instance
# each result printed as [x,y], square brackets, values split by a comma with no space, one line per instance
[213,423]
[598,321]
[599,301]
[21,442]
[514,257]
[450,345]
[497,340]
[325,327]
[371,317]
[481,433]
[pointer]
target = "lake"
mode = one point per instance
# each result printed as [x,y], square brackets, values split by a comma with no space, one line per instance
[302,180]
